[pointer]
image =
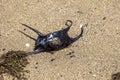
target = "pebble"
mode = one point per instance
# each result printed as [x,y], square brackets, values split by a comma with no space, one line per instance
[27,45]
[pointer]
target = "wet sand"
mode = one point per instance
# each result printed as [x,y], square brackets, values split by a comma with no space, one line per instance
[95,56]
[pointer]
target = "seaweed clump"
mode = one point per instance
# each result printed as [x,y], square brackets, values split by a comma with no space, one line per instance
[13,62]
[116,76]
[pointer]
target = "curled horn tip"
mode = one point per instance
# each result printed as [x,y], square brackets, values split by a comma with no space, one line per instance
[68,23]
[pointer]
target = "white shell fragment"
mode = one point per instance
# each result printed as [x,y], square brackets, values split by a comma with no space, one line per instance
[27,45]
[94,75]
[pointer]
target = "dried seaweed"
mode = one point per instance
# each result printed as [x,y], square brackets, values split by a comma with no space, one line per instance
[13,62]
[116,76]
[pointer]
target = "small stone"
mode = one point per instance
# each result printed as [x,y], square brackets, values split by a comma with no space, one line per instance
[3,49]
[24,29]
[72,56]
[70,53]
[80,12]
[52,59]
[90,72]
[61,75]
[36,63]
[104,18]
[36,67]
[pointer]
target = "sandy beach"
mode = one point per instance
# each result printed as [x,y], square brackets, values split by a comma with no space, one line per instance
[95,56]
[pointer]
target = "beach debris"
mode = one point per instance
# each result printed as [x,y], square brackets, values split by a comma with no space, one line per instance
[53,41]
[14,62]
[27,45]
[116,76]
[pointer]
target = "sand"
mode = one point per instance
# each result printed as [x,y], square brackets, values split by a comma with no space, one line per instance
[95,56]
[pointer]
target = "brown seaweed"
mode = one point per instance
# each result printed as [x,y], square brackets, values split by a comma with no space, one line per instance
[14,62]
[116,76]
